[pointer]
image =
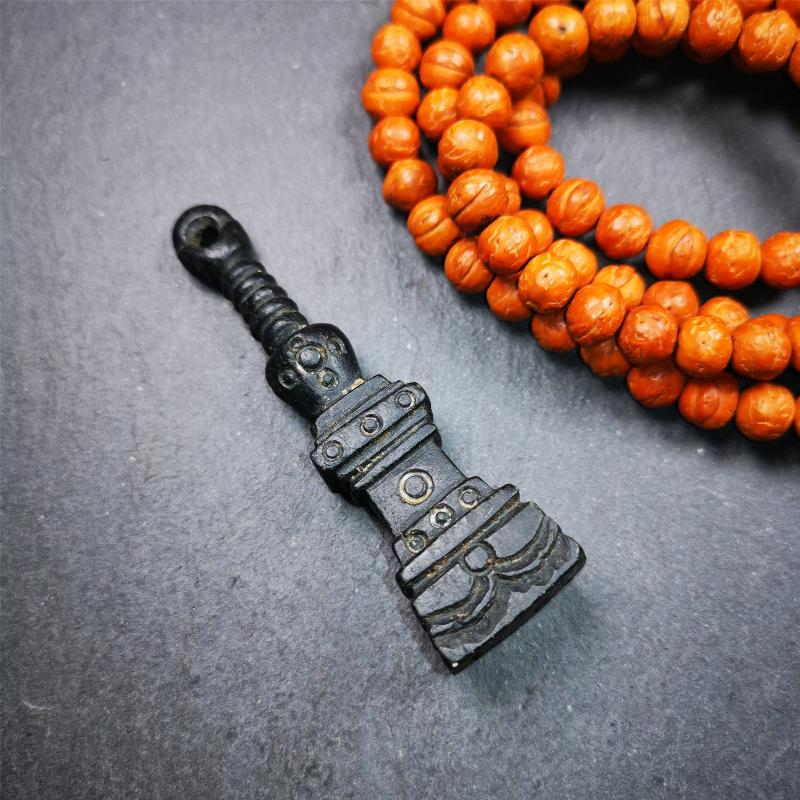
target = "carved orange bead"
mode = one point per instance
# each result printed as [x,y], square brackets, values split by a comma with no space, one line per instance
[714,27]
[393,139]
[507,13]
[407,182]
[793,330]
[516,61]
[623,231]
[709,403]
[767,41]
[437,111]
[464,268]
[466,144]
[794,60]
[704,346]
[422,17]
[506,245]
[797,416]
[582,257]
[753,6]
[433,230]
[550,331]
[625,278]
[514,196]
[562,34]
[575,206]
[538,170]
[605,359]
[529,125]
[647,335]
[396,46]
[475,198]
[730,311]
[541,227]
[551,88]
[486,100]
[611,24]
[547,283]
[733,259]
[445,63]
[765,412]
[761,349]
[676,250]
[791,7]
[390,92]
[504,300]
[660,24]
[677,297]
[656,385]
[781,320]
[470,25]
[780,260]
[595,313]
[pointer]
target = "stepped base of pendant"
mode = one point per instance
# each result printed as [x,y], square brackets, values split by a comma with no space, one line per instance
[487,575]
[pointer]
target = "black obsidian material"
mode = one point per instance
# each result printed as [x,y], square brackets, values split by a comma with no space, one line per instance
[476,562]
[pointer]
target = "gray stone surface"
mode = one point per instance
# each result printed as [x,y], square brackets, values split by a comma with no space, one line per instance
[187,611]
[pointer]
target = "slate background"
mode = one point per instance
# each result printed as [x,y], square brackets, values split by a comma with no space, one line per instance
[187,611]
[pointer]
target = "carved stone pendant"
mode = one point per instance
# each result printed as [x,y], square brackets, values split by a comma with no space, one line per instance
[476,562]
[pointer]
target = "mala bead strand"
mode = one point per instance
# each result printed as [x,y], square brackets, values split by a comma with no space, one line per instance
[654,336]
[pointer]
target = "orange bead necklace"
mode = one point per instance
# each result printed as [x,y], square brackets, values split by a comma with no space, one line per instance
[670,348]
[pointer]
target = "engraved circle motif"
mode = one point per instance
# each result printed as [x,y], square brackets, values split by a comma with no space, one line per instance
[296,343]
[469,496]
[370,424]
[332,450]
[287,378]
[404,399]
[310,357]
[441,516]
[328,378]
[479,559]
[415,541]
[415,487]
[335,346]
